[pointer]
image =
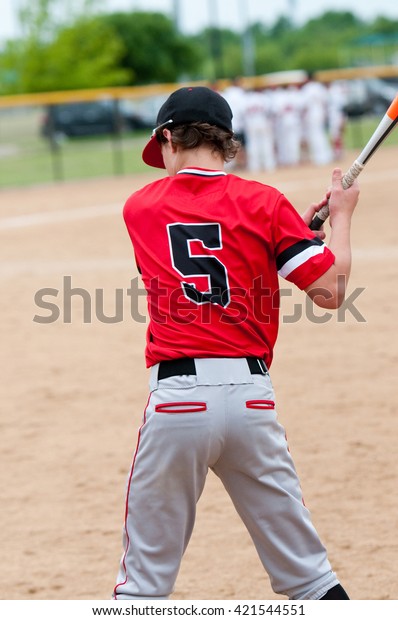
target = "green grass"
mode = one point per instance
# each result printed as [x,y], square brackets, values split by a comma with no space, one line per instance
[73,160]
[359,131]
[27,159]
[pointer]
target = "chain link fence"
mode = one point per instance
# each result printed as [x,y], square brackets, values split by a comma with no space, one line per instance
[55,137]
[75,136]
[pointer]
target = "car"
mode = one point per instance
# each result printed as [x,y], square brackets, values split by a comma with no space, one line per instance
[368,96]
[381,93]
[90,118]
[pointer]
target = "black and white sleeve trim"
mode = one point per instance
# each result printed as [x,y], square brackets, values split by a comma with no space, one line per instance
[298,254]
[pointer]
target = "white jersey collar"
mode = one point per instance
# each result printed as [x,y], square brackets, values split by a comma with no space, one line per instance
[203,172]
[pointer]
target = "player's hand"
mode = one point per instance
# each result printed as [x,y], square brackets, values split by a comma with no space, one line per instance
[342,202]
[309,214]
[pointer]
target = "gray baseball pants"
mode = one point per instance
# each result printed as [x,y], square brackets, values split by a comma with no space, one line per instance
[222,418]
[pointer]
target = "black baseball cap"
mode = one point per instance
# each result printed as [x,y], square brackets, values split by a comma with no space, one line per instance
[187,105]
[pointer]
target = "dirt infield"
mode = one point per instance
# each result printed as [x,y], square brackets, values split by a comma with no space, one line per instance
[72,395]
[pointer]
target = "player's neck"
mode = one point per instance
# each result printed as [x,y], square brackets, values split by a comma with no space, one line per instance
[199,158]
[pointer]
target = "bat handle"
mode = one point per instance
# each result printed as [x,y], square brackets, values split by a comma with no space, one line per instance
[320,218]
[347,180]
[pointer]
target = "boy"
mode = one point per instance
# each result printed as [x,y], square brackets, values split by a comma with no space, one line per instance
[210,246]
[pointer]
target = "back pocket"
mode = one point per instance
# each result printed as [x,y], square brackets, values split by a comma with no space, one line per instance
[181,407]
[260,404]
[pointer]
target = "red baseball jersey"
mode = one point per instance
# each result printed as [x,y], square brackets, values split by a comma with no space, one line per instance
[210,246]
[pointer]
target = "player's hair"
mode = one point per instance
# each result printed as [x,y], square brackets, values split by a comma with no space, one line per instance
[193,135]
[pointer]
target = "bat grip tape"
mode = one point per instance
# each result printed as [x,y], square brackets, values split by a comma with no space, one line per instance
[347,180]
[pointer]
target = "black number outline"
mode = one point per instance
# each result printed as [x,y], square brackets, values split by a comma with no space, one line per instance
[218,292]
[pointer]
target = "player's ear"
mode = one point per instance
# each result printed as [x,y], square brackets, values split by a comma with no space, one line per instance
[167,135]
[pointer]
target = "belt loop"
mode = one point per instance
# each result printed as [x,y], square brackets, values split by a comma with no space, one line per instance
[153,377]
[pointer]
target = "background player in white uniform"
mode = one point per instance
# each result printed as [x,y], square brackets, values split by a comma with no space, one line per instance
[210,246]
[235,95]
[288,125]
[337,99]
[315,118]
[258,123]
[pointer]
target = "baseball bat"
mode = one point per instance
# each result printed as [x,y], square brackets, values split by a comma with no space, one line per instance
[381,132]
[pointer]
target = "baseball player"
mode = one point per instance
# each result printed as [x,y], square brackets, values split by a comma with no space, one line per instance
[210,246]
[288,126]
[315,107]
[337,98]
[259,133]
[236,97]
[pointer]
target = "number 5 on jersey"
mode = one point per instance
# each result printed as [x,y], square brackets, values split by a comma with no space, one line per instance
[205,276]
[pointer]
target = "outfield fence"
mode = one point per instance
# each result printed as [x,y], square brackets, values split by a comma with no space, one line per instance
[27,156]
[33,151]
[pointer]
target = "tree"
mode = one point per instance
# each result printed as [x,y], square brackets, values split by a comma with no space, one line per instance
[85,55]
[282,27]
[222,53]
[62,48]
[269,58]
[319,44]
[154,51]
[67,45]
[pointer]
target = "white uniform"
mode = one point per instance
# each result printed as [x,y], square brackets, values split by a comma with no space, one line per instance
[288,126]
[235,95]
[315,101]
[178,443]
[336,116]
[258,128]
